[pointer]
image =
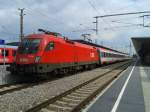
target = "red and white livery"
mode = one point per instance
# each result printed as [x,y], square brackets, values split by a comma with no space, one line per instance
[9,55]
[50,52]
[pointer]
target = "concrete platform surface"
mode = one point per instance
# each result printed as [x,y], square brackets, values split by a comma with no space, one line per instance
[129,93]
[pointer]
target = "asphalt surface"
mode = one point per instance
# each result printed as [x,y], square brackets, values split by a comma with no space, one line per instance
[133,98]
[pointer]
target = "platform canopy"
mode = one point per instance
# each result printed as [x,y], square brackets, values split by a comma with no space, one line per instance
[142,47]
[13,43]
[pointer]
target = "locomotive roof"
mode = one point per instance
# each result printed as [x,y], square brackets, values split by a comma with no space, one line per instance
[96,45]
[59,37]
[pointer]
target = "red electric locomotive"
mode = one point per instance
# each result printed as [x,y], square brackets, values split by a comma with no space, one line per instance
[50,52]
[43,53]
[9,55]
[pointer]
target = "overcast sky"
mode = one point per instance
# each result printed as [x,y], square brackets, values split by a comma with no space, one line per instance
[75,17]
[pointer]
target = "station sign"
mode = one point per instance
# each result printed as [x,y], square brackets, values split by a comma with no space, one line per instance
[2,42]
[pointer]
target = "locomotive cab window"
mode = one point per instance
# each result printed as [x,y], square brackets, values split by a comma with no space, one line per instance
[50,46]
[29,46]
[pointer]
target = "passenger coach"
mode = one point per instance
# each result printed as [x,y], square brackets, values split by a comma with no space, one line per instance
[9,55]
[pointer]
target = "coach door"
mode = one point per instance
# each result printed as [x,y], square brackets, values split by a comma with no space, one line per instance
[99,56]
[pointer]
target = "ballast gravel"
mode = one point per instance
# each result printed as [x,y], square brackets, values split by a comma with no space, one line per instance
[20,101]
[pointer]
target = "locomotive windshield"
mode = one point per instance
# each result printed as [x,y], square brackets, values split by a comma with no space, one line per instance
[29,46]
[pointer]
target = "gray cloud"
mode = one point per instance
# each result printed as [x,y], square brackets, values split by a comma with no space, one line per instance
[66,16]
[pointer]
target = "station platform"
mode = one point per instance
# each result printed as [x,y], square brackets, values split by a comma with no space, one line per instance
[130,92]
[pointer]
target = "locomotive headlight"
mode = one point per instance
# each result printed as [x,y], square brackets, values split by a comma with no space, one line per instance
[37,59]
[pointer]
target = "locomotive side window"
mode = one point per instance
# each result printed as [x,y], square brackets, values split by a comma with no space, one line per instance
[50,46]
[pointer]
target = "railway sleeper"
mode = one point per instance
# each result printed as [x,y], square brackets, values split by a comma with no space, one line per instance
[85,89]
[83,92]
[58,108]
[7,88]
[65,104]
[75,97]
[68,100]
[90,88]
[79,95]
[4,88]
[46,110]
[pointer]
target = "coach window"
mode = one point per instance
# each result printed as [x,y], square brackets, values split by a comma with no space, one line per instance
[102,54]
[110,55]
[50,46]
[106,54]
[14,53]
[6,53]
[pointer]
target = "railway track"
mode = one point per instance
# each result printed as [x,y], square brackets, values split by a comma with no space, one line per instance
[74,99]
[8,88]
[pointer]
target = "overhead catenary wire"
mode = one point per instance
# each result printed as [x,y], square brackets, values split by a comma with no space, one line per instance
[104,11]
[132,25]
[81,30]
[143,17]
[47,17]
[124,22]
[6,31]
[51,20]
[7,35]
[93,6]
[125,19]
[122,14]
[39,14]
[31,12]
